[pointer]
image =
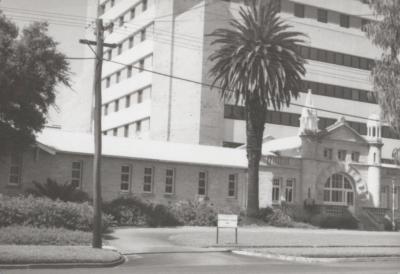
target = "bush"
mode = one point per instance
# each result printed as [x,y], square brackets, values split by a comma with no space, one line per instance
[43,212]
[51,189]
[134,212]
[195,213]
[27,235]
[340,222]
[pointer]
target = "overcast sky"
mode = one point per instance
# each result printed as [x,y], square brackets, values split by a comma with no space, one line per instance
[73,104]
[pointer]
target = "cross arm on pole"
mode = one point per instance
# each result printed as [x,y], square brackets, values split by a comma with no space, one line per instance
[94,43]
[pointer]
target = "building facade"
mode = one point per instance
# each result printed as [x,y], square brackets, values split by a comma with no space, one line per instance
[170,38]
[336,169]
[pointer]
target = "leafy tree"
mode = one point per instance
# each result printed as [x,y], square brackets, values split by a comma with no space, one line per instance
[31,68]
[51,189]
[258,65]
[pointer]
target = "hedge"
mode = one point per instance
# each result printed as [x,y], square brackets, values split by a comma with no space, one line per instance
[43,212]
[27,235]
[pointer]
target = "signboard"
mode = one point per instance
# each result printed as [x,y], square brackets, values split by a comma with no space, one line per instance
[227,221]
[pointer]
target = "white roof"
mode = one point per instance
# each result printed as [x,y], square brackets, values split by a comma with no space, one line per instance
[281,144]
[82,143]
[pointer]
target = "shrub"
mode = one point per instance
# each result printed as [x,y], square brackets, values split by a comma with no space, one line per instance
[195,213]
[27,235]
[265,214]
[51,189]
[340,222]
[135,212]
[43,212]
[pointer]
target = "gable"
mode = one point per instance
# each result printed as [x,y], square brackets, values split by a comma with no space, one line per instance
[344,133]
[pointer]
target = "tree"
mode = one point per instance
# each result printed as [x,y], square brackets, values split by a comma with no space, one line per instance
[31,68]
[257,65]
[385,34]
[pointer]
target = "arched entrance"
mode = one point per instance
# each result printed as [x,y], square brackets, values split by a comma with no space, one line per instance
[338,190]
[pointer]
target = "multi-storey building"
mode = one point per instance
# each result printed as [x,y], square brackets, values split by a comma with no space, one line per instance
[170,38]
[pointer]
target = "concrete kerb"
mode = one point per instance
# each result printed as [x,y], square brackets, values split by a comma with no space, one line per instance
[120,261]
[302,259]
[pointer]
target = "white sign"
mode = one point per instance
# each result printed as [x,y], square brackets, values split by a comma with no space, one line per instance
[227,220]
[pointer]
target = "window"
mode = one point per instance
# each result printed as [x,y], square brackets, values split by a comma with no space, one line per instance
[144,5]
[328,153]
[141,65]
[119,49]
[102,9]
[112,3]
[125,178]
[108,82]
[138,126]
[121,21]
[127,101]
[344,21]
[143,35]
[364,23]
[202,188]
[299,10]
[131,42]
[129,72]
[126,131]
[232,186]
[15,169]
[140,96]
[289,190]
[355,156]
[118,77]
[276,183]
[105,109]
[169,181]
[338,190]
[109,54]
[342,155]
[322,16]
[116,105]
[132,13]
[76,174]
[148,179]
[115,131]
[111,28]
[384,197]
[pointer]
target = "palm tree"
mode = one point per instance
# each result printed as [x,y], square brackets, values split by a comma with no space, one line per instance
[258,65]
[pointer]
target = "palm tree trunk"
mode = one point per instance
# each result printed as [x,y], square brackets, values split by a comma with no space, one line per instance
[255,120]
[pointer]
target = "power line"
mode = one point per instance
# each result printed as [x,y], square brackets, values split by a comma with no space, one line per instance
[220,88]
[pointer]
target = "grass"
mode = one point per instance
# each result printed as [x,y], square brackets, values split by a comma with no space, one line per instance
[12,254]
[25,235]
[272,236]
[332,252]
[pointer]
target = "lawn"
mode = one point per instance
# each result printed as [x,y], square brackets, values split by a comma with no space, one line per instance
[13,254]
[332,252]
[272,236]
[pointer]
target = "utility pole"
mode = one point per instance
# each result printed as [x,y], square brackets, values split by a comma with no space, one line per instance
[393,197]
[97,201]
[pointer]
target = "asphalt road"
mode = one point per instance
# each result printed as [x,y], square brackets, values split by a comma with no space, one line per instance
[221,262]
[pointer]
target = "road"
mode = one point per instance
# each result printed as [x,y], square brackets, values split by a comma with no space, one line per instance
[151,251]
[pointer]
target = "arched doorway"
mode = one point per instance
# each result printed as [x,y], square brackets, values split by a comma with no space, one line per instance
[338,190]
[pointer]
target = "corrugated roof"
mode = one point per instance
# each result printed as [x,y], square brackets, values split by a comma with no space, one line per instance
[281,144]
[82,143]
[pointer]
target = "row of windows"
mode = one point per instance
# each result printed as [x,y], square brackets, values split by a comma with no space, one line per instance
[338,190]
[336,58]
[126,175]
[283,191]
[323,16]
[293,119]
[128,15]
[128,71]
[127,101]
[129,42]
[341,155]
[130,130]
[340,92]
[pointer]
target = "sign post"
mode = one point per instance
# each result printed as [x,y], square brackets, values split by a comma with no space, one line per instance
[228,221]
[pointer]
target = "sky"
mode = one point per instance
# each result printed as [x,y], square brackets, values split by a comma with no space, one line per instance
[74,104]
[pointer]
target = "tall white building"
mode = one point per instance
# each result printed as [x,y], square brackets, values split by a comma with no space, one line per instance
[170,37]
